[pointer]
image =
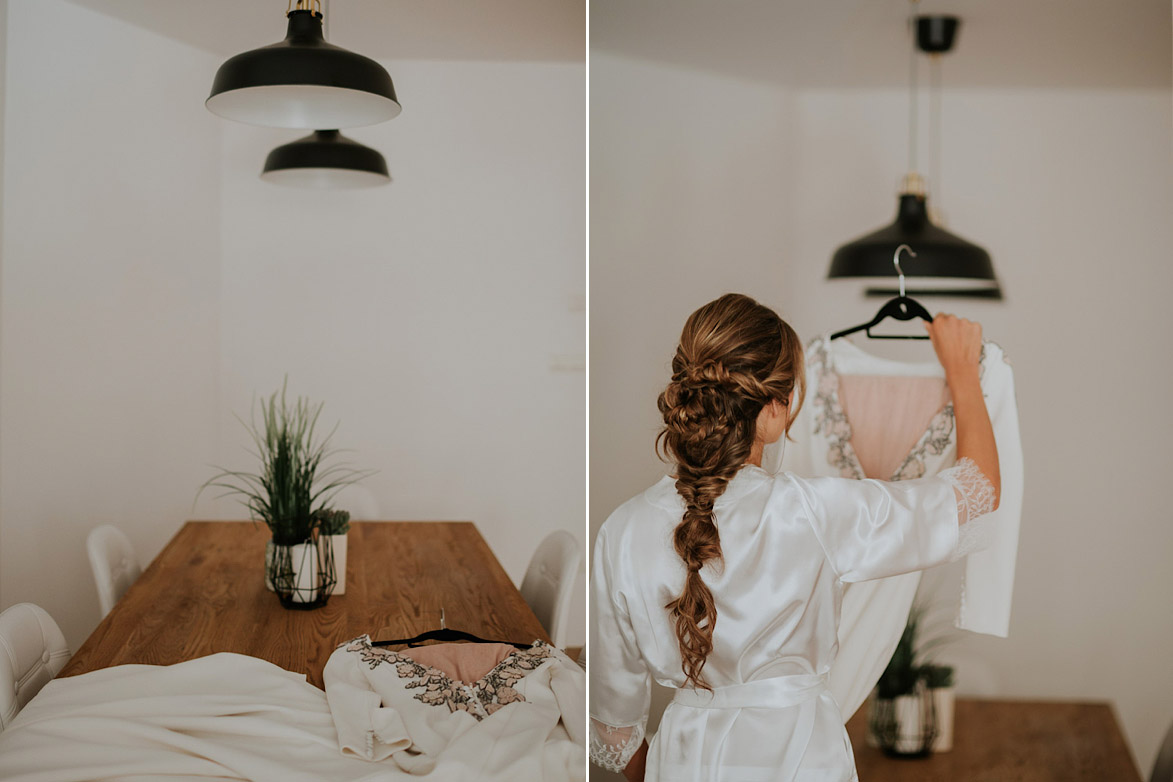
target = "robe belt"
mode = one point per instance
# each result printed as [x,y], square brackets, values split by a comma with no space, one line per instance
[779,692]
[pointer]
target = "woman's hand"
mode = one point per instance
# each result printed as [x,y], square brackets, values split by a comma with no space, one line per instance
[958,343]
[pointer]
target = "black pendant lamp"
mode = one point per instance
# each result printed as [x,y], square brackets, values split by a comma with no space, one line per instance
[303,82]
[325,159]
[957,267]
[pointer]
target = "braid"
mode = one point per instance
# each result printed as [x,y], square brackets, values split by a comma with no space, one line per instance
[726,369]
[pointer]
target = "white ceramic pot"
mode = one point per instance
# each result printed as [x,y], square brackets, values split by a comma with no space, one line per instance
[903,723]
[943,699]
[339,544]
[305,572]
[909,724]
[269,548]
[304,563]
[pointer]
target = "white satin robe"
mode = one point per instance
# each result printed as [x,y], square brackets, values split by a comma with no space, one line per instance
[788,546]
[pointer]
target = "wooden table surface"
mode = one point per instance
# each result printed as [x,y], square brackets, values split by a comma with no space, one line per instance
[1011,741]
[205,593]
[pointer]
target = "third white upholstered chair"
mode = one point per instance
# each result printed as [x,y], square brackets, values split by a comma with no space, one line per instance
[1163,766]
[549,580]
[32,652]
[114,563]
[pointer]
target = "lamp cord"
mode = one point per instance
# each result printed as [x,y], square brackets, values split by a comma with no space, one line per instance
[912,114]
[935,125]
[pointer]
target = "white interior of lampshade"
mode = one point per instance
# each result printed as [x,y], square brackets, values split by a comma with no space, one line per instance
[306,106]
[918,282]
[325,178]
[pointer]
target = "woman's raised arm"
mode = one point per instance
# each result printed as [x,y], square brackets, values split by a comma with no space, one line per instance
[958,343]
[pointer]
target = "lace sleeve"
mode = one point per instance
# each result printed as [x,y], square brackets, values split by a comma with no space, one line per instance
[612,746]
[975,500]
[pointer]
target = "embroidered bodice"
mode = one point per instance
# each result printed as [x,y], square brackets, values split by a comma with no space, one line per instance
[520,719]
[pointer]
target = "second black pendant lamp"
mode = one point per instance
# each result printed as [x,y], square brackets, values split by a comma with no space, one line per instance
[325,159]
[957,267]
[303,82]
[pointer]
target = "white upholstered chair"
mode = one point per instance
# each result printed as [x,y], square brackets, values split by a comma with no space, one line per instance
[32,652]
[114,563]
[549,580]
[1163,766]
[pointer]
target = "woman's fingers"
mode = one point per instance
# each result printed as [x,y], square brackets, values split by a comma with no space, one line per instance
[957,341]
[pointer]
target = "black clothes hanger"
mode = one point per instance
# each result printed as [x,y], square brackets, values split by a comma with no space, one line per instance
[447,634]
[900,308]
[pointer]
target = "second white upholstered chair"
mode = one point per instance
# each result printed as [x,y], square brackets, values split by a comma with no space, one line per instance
[1163,766]
[32,652]
[549,581]
[114,563]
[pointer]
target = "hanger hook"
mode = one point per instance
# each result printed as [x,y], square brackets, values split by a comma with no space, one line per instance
[896,263]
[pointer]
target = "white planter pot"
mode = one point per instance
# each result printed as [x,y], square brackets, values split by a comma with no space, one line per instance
[304,564]
[943,699]
[901,725]
[305,572]
[909,725]
[268,565]
[339,543]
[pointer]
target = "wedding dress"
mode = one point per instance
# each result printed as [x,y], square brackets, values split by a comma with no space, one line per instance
[872,417]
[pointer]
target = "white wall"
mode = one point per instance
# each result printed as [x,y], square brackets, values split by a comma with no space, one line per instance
[428,313]
[151,284]
[110,297]
[1070,191]
[689,198]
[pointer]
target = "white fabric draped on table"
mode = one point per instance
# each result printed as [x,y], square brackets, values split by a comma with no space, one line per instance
[233,717]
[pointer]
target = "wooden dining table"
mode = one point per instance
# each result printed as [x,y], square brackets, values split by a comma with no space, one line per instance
[1010,741]
[205,593]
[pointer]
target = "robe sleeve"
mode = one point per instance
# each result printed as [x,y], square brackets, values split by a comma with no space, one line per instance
[620,684]
[875,529]
[568,682]
[366,728]
[988,584]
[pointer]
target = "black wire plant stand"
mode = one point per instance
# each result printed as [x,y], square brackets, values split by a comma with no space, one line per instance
[303,574]
[895,738]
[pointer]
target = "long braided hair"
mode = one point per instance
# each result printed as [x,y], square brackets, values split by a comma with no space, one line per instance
[735,356]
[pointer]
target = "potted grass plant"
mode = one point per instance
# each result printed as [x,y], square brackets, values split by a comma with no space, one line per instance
[291,493]
[912,705]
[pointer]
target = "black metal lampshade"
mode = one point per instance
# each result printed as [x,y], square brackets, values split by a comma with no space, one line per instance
[303,82]
[325,159]
[958,268]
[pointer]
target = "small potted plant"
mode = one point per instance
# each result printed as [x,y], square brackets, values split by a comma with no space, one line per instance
[906,713]
[334,526]
[939,679]
[290,494]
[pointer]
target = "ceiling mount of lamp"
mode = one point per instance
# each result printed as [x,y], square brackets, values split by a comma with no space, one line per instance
[305,82]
